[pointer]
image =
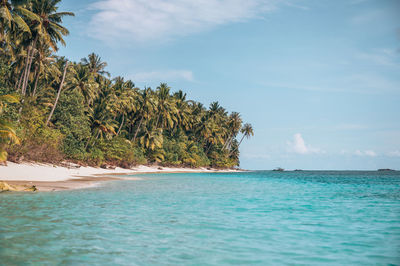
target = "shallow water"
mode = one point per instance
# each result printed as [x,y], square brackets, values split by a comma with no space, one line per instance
[253,218]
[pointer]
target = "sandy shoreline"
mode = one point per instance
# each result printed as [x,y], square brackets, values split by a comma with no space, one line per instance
[47,177]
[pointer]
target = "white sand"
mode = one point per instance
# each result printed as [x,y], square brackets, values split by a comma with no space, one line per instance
[47,172]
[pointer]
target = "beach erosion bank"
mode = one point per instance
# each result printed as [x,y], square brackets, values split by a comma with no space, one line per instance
[48,177]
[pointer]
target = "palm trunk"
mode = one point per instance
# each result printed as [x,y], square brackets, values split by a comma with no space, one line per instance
[36,81]
[158,118]
[25,70]
[227,141]
[98,134]
[122,123]
[137,129]
[58,94]
[87,143]
[18,84]
[25,84]
[208,148]
[237,146]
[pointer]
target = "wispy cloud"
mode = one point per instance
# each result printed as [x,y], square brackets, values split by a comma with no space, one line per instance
[298,145]
[162,76]
[144,20]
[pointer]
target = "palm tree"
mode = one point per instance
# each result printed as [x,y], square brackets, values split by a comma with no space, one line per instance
[95,65]
[83,81]
[42,64]
[247,131]
[182,110]
[234,125]
[165,107]
[46,28]
[145,107]
[58,93]
[151,139]
[13,12]
[124,95]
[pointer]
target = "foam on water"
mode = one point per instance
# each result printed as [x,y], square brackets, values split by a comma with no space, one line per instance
[209,219]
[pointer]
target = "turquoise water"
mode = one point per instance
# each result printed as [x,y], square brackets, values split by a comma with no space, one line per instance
[258,218]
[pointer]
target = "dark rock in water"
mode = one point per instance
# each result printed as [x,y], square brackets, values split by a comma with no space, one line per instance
[279,169]
[385,170]
[297,170]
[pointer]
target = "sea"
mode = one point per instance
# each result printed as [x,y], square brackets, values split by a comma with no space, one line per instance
[247,218]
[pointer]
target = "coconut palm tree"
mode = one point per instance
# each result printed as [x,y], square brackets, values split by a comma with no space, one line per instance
[42,63]
[95,65]
[247,131]
[82,80]
[233,127]
[151,139]
[58,92]
[182,110]
[123,101]
[45,28]
[14,13]
[166,108]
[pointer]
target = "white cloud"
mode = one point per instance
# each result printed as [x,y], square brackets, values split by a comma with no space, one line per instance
[369,153]
[162,76]
[299,146]
[143,20]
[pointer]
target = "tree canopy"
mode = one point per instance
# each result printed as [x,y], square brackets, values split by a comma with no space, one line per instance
[52,109]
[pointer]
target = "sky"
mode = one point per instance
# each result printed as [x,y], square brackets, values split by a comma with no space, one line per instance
[318,79]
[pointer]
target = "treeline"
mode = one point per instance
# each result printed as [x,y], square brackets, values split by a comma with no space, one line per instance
[52,109]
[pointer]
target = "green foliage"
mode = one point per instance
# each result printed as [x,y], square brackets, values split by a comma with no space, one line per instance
[97,120]
[120,151]
[70,118]
[38,142]
[181,151]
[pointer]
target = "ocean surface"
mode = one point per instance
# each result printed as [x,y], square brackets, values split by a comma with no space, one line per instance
[255,218]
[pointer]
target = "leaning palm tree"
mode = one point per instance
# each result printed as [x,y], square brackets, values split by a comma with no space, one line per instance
[247,131]
[58,92]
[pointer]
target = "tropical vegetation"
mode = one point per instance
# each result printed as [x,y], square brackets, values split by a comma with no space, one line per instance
[53,109]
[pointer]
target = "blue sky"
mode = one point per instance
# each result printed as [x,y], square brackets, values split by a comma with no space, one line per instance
[318,80]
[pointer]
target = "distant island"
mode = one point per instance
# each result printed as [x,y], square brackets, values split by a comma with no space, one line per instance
[278,169]
[385,170]
[54,110]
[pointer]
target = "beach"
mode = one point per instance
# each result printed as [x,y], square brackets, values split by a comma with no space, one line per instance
[49,177]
